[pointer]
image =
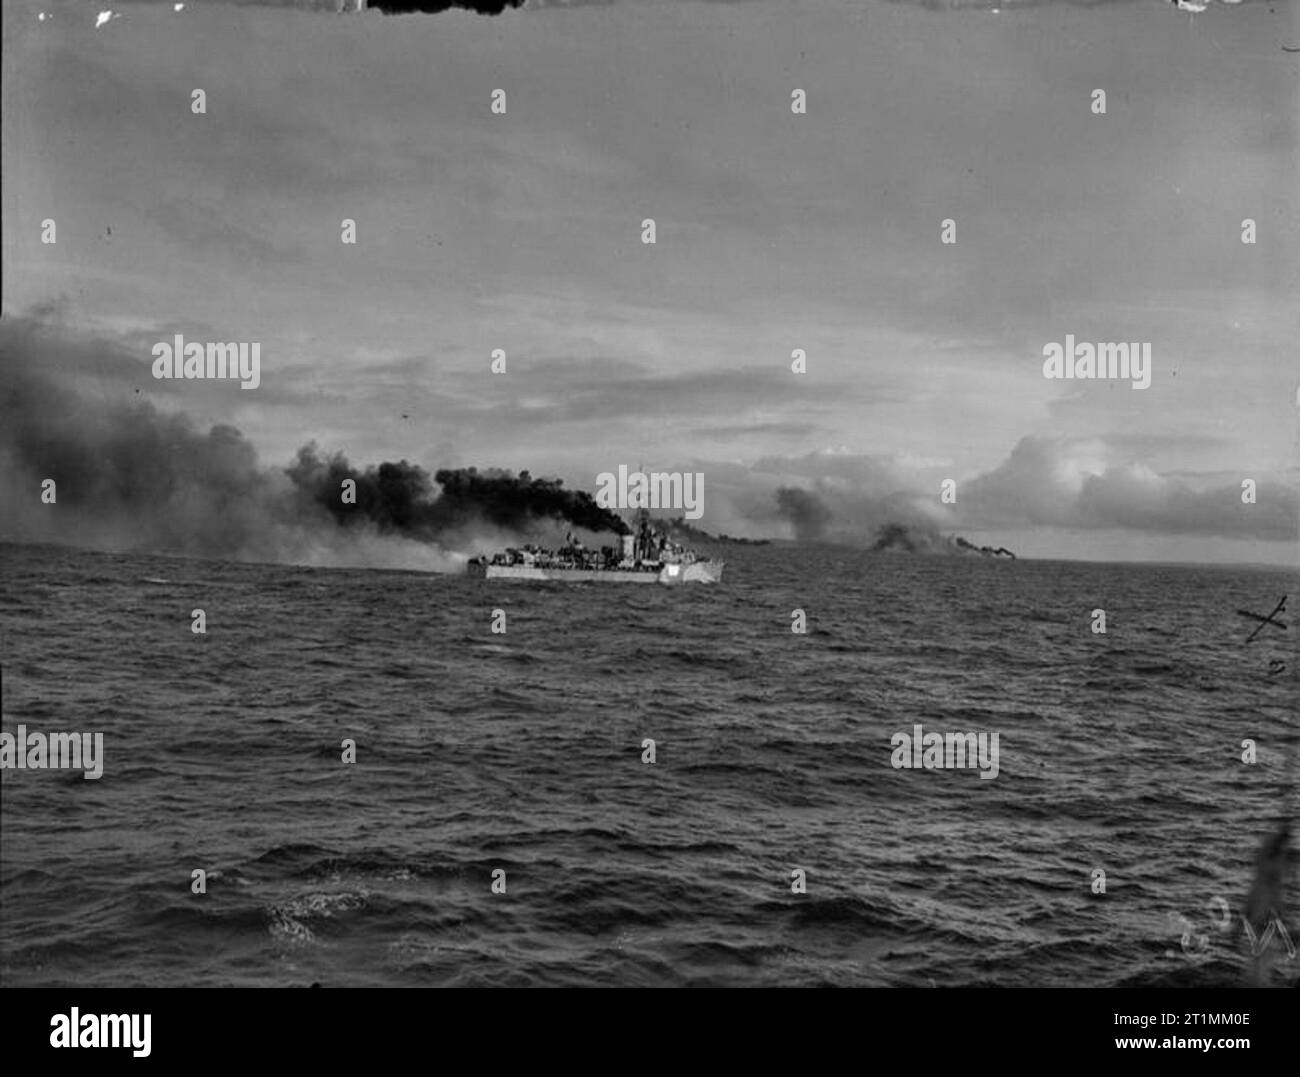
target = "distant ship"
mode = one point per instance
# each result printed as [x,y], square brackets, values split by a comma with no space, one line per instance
[646,555]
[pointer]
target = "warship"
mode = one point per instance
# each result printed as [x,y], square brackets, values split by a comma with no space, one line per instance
[644,555]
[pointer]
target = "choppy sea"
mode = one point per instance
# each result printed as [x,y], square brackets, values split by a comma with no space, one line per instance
[523,751]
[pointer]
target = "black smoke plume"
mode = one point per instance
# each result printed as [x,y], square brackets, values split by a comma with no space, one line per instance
[508,501]
[400,497]
[130,477]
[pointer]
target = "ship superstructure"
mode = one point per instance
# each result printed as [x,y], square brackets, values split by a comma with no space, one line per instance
[644,555]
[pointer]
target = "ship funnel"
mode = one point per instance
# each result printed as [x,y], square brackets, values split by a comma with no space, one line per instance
[627,541]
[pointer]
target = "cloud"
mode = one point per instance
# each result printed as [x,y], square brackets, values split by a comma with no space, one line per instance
[1084,483]
[133,476]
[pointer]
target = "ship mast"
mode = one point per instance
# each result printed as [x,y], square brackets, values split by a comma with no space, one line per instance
[641,523]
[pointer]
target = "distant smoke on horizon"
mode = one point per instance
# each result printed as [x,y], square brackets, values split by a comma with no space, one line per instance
[834,510]
[928,539]
[894,536]
[811,520]
[804,511]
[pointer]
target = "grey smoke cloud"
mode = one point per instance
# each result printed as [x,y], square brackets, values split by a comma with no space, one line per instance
[1078,484]
[123,471]
[805,511]
[130,476]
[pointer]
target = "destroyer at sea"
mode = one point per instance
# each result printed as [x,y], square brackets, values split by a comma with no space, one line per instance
[644,555]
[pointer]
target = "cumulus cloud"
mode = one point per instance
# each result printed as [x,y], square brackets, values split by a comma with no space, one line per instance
[1084,483]
[1078,484]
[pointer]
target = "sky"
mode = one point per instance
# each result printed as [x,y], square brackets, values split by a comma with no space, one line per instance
[775,231]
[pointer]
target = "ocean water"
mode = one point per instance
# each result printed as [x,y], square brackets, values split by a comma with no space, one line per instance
[523,751]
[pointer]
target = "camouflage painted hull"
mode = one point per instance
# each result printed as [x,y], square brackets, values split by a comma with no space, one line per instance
[696,572]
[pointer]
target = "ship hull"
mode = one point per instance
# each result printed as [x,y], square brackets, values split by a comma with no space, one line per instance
[696,572]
